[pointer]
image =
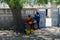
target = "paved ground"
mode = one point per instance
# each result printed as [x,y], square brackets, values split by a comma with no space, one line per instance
[52,33]
[10,35]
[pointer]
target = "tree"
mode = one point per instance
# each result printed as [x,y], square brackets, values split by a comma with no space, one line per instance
[38,2]
[16,6]
[56,2]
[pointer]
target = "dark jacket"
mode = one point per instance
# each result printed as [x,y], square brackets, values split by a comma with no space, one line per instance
[37,16]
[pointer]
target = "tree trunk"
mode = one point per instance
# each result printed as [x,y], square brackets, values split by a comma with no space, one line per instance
[17,18]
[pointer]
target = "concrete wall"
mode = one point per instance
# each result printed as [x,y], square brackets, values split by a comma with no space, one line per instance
[6,18]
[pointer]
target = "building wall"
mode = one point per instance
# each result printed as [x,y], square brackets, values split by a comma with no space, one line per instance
[6,18]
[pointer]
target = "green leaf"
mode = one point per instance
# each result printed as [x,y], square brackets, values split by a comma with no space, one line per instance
[15,3]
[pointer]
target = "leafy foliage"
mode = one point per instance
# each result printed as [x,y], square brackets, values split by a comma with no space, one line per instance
[15,3]
[38,2]
[19,3]
[57,2]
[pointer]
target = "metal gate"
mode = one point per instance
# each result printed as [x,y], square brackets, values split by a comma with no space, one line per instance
[59,17]
[55,17]
[42,17]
